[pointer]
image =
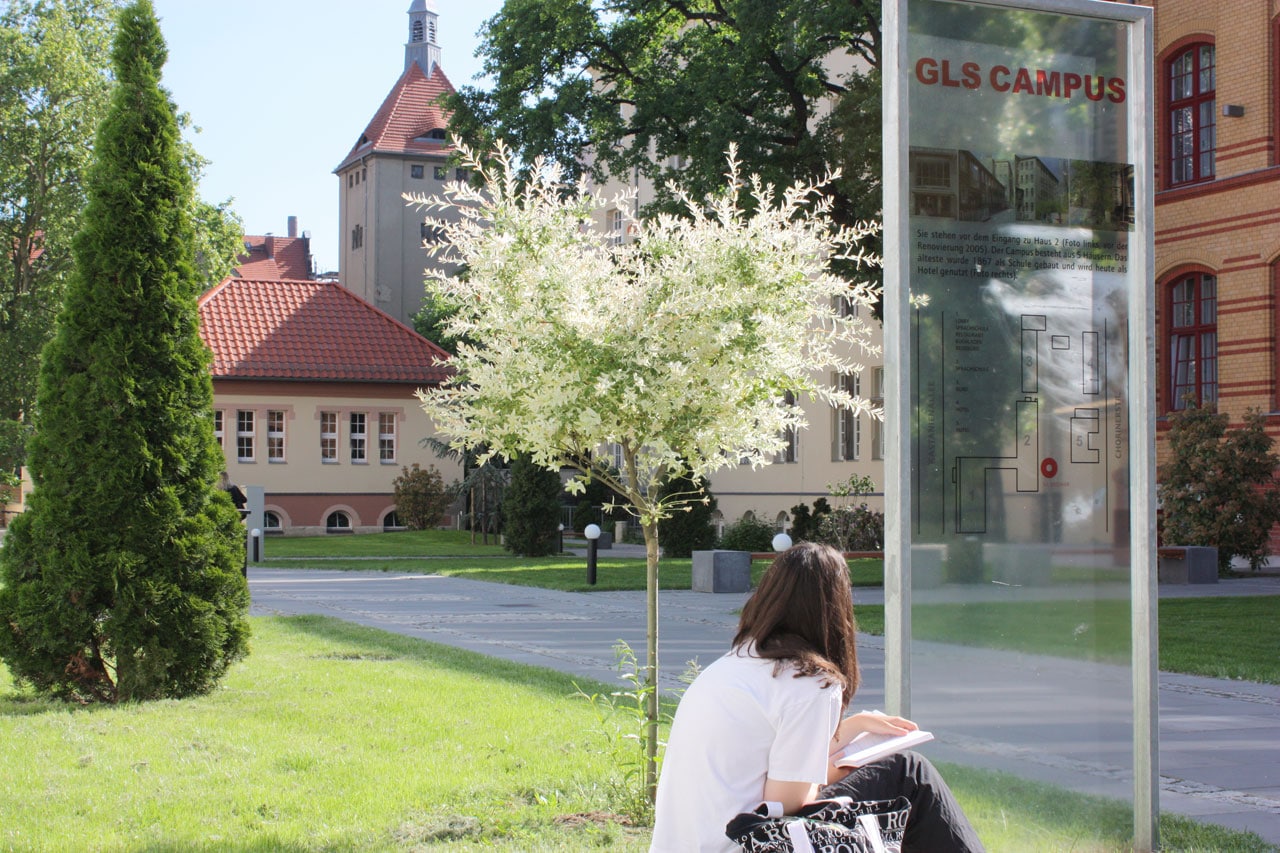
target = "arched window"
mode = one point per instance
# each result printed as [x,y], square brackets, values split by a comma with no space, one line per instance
[1193,340]
[337,522]
[271,522]
[1192,121]
[391,521]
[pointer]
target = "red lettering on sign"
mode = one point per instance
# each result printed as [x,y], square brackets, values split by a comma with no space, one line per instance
[927,70]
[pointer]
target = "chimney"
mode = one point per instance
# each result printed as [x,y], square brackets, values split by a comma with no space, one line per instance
[293,226]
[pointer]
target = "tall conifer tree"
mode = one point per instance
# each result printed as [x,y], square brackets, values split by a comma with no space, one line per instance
[123,579]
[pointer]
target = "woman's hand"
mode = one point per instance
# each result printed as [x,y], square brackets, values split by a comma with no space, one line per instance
[873,721]
[870,721]
[864,721]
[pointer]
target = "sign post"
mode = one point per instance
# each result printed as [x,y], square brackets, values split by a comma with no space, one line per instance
[1019,317]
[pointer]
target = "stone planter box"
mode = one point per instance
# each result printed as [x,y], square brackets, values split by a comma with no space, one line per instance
[721,571]
[1185,564]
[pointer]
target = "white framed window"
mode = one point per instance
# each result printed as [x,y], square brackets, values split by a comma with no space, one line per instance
[219,429]
[275,436]
[337,522]
[848,444]
[791,449]
[616,232]
[387,437]
[846,307]
[613,453]
[358,436]
[244,435]
[329,437]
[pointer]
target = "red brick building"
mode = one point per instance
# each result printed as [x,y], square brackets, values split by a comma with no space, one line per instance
[1217,214]
[1217,203]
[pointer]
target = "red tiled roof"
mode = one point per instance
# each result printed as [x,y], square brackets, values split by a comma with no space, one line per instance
[407,113]
[274,258]
[310,330]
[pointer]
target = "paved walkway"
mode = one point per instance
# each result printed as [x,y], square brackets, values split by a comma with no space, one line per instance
[1219,740]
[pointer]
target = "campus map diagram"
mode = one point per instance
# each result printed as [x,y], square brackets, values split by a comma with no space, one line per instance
[987,437]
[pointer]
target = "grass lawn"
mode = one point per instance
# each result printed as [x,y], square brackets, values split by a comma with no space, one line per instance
[424,551]
[406,543]
[335,737]
[1228,637]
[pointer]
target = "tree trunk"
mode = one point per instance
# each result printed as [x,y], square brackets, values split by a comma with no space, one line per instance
[652,699]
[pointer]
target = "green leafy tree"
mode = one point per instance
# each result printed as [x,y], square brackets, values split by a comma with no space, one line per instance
[688,528]
[531,509]
[1218,486]
[421,497]
[123,579]
[679,348]
[663,87]
[55,87]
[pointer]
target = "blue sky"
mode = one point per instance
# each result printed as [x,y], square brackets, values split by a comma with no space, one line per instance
[282,88]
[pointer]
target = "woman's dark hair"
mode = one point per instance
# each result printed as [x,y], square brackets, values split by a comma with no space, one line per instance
[802,614]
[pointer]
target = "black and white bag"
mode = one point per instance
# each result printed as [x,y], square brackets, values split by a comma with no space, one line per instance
[839,825]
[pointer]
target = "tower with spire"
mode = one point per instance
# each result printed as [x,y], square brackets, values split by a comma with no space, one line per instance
[403,149]
[422,46]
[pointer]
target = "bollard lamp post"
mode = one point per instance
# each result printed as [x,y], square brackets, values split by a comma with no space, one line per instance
[560,546]
[781,542]
[592,532]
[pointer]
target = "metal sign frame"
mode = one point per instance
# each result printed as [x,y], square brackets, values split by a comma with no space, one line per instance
[1138,23]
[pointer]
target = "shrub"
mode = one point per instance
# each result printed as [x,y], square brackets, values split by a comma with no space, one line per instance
[748,534]
[531,509]
[421,497]
[1218,487]
[801,523]
[852,528]
[689,529]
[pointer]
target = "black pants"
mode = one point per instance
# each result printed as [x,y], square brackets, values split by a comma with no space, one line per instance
[936,823]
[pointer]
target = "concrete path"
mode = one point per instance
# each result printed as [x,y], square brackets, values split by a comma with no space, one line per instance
[1219,740]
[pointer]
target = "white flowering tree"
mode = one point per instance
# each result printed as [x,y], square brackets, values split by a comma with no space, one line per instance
[678,346]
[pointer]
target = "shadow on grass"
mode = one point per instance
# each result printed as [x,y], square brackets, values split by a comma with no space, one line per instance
[377,645]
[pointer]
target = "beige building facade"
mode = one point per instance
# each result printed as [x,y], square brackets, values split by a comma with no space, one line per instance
[325,454]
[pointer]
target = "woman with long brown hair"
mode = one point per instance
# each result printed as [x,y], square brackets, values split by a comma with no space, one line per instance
[760,724]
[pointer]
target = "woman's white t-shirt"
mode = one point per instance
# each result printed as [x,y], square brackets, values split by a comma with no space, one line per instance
[736,724]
